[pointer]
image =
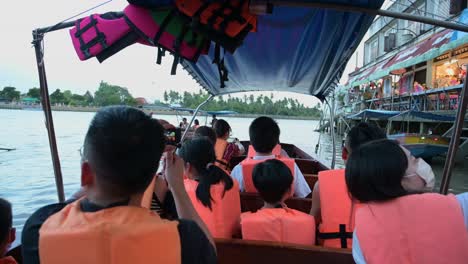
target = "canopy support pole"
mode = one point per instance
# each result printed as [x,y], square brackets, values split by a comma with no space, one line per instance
[375,12]
[332,131]
[455,140]
[38,38]
[194,116]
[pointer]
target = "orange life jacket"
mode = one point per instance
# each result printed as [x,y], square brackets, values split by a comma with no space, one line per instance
[118,235]
[249,164]
[220,148]
[148,195]
[279,225]
[252,153]
[8,260]
[337,210]
[223,219]
[420,228]
[220,16]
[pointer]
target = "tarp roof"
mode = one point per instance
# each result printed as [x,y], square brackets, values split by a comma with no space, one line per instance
[378,114]
[400,116]
[300,50]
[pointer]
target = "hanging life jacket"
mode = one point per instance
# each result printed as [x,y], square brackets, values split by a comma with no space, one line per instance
[220,148]
[223,218]
[252,153]
[225,22]
[337,210]
[101,36]
[249,164]
[279,225]
[152,4]
[419,228]
[169,30]
[119,235]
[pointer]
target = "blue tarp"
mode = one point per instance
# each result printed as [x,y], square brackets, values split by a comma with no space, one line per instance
[428,116]
[302,50]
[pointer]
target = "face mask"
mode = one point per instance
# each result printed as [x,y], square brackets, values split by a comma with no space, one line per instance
[420,169]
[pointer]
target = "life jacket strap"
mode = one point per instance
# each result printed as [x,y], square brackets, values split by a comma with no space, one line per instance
[342,235]
[222,162]
[163,25]
[99,39]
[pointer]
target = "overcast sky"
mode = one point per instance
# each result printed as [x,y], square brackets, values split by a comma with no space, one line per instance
[134,67]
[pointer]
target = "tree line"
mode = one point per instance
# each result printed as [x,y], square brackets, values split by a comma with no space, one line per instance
[251,104]
[108,94]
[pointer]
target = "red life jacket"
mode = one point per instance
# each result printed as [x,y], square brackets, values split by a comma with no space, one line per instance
[420,228]
[220,148]
[118,235]
[280,225]
[223,219]
[247,169]
[252,153]
[337,210]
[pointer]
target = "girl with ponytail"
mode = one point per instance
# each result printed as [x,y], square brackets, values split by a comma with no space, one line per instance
[214,194]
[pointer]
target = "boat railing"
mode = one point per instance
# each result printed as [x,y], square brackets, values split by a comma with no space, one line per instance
[437,99]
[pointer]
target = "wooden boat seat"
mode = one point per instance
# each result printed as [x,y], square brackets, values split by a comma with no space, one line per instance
[311,179]
[251,202]
[254,252]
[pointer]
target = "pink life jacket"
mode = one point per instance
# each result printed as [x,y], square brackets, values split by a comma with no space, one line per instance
[419,228]
[101,36]
[247,170]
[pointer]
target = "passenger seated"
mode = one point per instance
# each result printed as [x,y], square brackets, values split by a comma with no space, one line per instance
[214,194]
[264,135]
[331,204]
[121,154]
[7,232]
[225,150]
[205,131]
[397,226]
[275,221]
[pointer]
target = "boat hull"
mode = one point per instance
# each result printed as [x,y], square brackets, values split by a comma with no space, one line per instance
[423,146]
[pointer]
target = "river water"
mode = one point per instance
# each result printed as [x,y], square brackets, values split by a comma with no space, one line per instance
[27,177]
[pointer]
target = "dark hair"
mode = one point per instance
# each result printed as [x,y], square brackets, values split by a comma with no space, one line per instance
[221,127]
[207,132]
[363,133]
[272,179]
[6,219]
[196,122]
[123,146]
[264,134]
[374,171]
[184,119]
[200,153]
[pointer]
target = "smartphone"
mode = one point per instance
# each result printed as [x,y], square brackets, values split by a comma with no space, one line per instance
[173,136]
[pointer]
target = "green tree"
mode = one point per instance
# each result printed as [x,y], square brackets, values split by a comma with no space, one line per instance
[57,97]
[108,94]
[34,93]
[88,98]
[10,93]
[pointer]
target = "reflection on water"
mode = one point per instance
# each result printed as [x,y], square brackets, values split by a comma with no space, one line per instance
[27,177]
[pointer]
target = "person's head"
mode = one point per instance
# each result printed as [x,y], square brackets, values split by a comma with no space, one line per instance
[360,134]
[264,134]
[207,132]
[222,129]
[199,157]
[196,122]
[375,170]
[7,232]
[121,152]
[184,120]
[273,180]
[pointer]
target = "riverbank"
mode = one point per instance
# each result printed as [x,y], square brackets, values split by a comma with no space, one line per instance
[154,111]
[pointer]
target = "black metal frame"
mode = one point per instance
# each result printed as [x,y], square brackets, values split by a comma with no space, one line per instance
[38,38]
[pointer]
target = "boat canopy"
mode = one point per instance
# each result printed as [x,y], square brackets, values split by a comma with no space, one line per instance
[295,49]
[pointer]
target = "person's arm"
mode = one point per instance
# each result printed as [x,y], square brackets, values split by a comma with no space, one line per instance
[185,209]
[301,187]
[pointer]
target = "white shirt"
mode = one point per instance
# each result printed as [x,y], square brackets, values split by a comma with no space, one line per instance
[301,188]
[357,252]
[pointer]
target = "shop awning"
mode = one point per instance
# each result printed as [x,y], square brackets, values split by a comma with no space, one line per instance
[369,74]
[423,51]
[377,114]
[302,50]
